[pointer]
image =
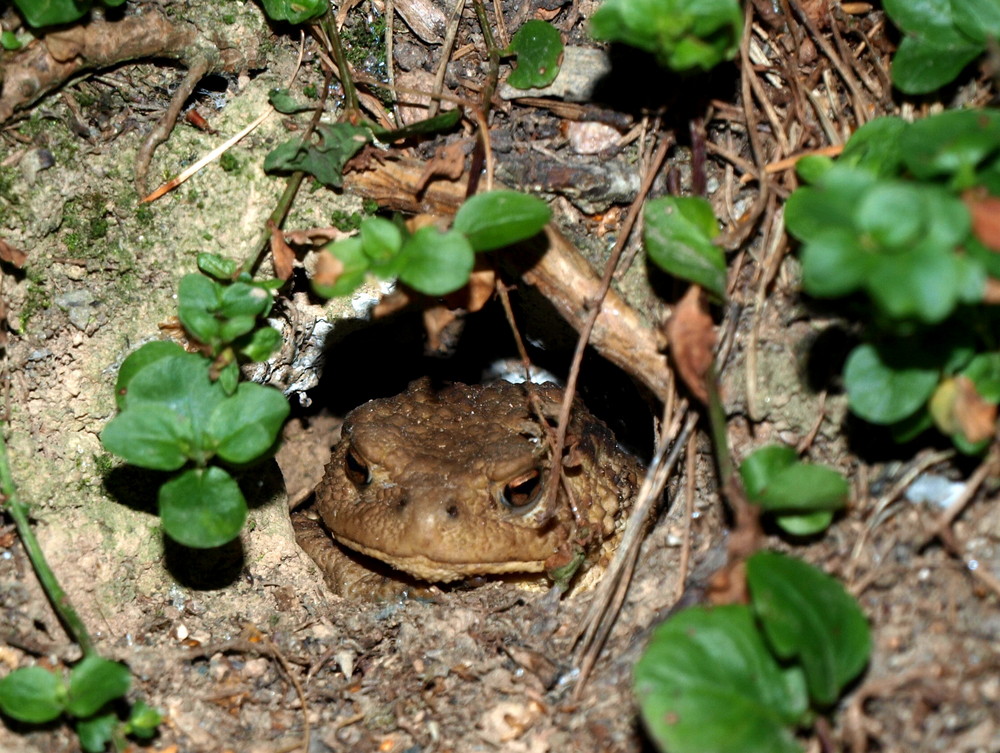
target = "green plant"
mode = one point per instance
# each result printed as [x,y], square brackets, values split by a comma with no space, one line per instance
[294,11]
[538,48]
[744,677]
[87,697]
[56,12]
[802,497]
[941,37]
[678,234]
[184,412]
[898,225]
[684,35]
[430,260]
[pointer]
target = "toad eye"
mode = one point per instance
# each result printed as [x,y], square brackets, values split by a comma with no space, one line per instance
[521,493]
[356,468]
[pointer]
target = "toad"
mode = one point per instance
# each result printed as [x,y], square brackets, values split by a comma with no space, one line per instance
[444,484]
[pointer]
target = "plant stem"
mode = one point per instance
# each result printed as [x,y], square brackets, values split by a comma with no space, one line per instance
[340,58]
[60,601]
[493,52]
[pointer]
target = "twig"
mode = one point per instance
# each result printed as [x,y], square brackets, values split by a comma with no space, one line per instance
[689,472]
[57,596]
[449,43]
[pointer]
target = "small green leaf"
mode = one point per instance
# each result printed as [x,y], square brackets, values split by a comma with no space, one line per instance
[496,219]
[678,236]
[202,508]
[775,479]
[96,732]
[809,617]
[9,41]
[243,299]
[833,263]
[685,35]
[436,263]
[294,11]
[324,160]
[143,720]
[885,391]
[805,525]
[380,240]
[283,101]
[246,425]
[261,344]
[539,48]
[32,694]
[213,265]
[145,356]
[39,13]
[875,147]
[94,682]
[197,302]
[150,436]
[951,143]
[984,371]
[706,682]
[979,19]
[229,377]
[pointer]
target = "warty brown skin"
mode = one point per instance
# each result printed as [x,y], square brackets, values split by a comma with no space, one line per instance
[448,483]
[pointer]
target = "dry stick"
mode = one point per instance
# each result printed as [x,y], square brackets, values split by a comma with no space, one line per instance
[501,24]
[986,468]
[610,594]
[306,726]
[390,67]
[846,54]
[876,519]
[595,310]
[834,58]
[449,43]
[689,471]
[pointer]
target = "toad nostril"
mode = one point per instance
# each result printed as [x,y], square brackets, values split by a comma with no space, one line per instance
[452,511]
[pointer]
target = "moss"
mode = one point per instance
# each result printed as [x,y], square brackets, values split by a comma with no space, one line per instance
[311,91]
[144,215]
[37,298]
[104,463]
[230,162]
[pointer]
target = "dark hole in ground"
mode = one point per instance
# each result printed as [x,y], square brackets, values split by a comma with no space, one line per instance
[367,360]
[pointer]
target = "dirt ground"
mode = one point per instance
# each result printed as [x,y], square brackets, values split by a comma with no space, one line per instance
[244,648]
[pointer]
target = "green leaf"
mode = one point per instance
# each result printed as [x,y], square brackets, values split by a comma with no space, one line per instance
[380,240]
[875,147]
[39,13]
[496,219]
[32,694]
[809,524]
[151,436]
[246,425]
[984,371]
[324,160]
[243,299]
[951,143]
[920,67]
[809,617]
[229,377]
[202,508]
[883,387]
[678,235]
[684,35]
[145,356]
[436,263]
[833,263]
[143,720]
[707,682]
[539,48]
[885,212]
[978,19]
[261,344]
[94,682]
[830,205]
[9,41]
[96,732]
[218,267]
[355,263]
[197,302]
[294,11]
[283,101]
[181,383]
[775,479]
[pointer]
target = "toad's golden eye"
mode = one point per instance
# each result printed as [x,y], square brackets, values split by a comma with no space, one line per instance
[356,468]
[520,494]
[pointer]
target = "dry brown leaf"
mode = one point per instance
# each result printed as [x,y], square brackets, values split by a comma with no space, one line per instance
[328,269]
[12,254]
[437,320]
[448,162]
[985,211]
[974,416]
[281,253]
[390,304]
[991,293]
[691,335]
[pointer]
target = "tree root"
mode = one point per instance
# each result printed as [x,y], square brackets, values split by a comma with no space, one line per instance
[50,62]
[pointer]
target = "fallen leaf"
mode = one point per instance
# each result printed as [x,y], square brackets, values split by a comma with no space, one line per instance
[975,417]
[439,323]
[12,255]
[448,162]
[691,335]
[282,254]
[328,269]
[985,211]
